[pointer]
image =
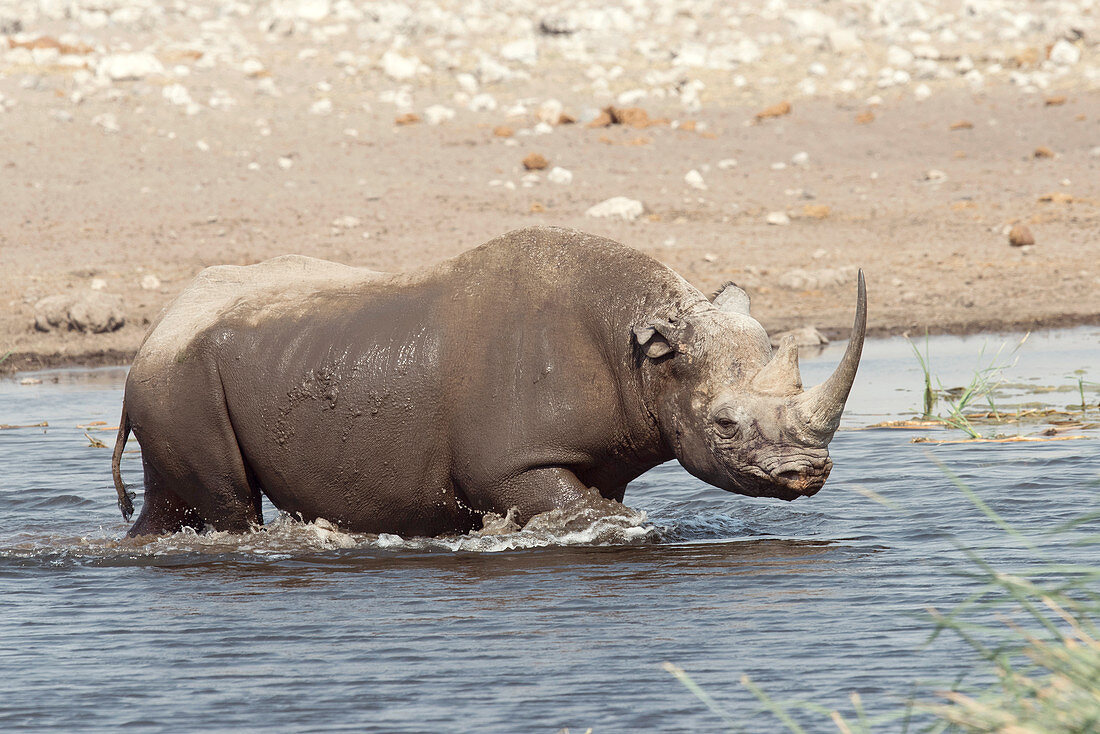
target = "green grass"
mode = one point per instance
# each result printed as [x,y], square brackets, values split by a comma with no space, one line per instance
[987,377]
[1037,636]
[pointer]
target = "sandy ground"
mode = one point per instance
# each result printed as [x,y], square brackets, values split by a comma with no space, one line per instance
[918,190]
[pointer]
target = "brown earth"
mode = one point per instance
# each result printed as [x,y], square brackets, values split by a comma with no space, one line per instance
[79,204]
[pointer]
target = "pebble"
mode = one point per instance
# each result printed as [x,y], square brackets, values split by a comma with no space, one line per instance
[128,66]
[107,121]
[727,163]
[438,114]
[346,222]
[694,179]
[779,219]
[1020,236]
[807,336]
[535,162]
[321,107]
[150,282]
[177,94]
[1064,53]
[398,67]
[620,207]
[801,158]
[559,175]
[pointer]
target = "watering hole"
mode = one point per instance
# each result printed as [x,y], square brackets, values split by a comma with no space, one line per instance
[298,628]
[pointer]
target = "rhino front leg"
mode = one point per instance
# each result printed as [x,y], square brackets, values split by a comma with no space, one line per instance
[532,492]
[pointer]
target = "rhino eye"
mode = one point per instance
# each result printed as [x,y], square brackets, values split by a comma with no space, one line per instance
[727,427]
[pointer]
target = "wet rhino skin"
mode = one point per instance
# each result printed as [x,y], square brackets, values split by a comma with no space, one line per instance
[510,376]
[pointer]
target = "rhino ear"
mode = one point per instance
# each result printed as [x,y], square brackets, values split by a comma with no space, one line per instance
[658,338]
[731,299]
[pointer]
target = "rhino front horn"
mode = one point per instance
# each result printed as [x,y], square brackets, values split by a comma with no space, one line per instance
[823,404]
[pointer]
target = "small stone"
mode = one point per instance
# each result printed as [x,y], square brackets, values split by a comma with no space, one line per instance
[1043,152]
[1064,53]
[551,111]
[807,336]
[1020,236]
[346,222]
[409,118]
[961,125]
[934,175]
[694,179]
[559,175]
[398,67]
[252,67]
[776,110]
[844,40]
[535,162]
[177,94]
[922,92]
[98,284]
[285,162]
[437,114]
[816,211]
[128,66]
[525,51]
[617,207]
[779,219]
[150,282]
[321,107]
[801,158]
[503,131]
[897,56]
[107,121]
[727,163]
[1055,101]
[865,118]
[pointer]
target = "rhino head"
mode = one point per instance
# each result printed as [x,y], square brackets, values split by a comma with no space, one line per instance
[733,412]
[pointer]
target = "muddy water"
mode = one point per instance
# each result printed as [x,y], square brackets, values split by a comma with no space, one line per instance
[302,628]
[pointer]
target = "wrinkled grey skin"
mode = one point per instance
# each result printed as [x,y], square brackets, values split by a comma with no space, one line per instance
[516,375]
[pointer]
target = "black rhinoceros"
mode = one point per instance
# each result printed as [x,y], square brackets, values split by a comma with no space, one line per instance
[522,374]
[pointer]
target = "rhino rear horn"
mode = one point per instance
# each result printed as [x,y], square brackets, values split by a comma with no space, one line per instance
[823,404]
[780,375]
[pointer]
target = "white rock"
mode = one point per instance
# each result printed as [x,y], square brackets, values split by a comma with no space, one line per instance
[727,163]
[285,163]
[177,94]
[551,111]
[559,175]
[922,92]
[694,179]
[321,107]
[311,10]
[811,23]
[779,219]
[467,83]
[898,56]
[150,282]
[252,67]
[128,66]
[491,71]
[543,128]
[1065,53]
[935,175]
[801,158]
[524,50]
[98,284]
[399,67]
[617,206]
[844,41]
[346,222]
[818,69]
[483,102]
[437,114]
[1095,152]
[107,121]
[202,145]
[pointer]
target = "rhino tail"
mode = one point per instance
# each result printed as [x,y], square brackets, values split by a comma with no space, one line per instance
[125,496]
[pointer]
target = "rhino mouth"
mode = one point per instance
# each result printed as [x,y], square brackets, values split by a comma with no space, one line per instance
[790,481]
